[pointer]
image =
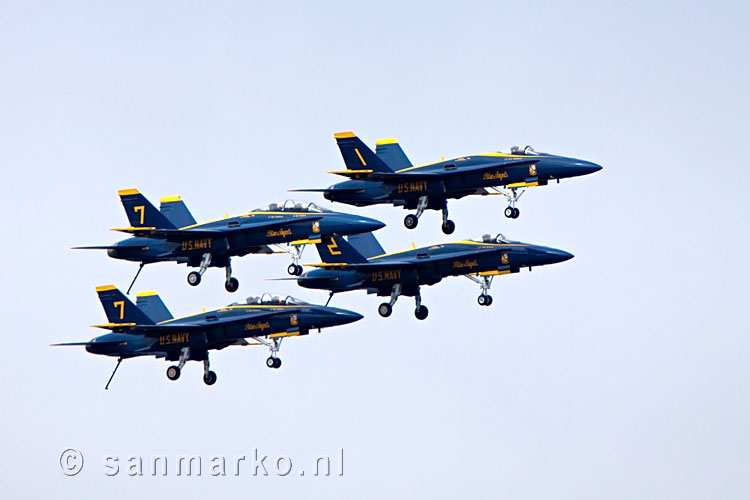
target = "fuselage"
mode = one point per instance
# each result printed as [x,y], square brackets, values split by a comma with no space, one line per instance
[428,265]
[459,177]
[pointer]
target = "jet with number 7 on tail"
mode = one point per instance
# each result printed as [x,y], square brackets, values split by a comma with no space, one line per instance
[388,177]
[361,264]
[171,234]
[147,328]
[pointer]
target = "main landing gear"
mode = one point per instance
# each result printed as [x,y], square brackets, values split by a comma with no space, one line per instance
[274,344]
[294,268]
[386,308]
[484,299]
[231,284]
[174,371]
[411,221]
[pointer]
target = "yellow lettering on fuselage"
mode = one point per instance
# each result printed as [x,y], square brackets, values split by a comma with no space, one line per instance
[497,176]
[458,264]
[174,338]
[278,232]
[201,244]
[412,187]
[387,275]
[258,326]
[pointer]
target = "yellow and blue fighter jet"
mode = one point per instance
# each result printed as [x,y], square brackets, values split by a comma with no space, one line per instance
[147,328]
[361,264]
[171,234]
[388,177]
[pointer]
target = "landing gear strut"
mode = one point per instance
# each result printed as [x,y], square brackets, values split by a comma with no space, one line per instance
[173,372]
[512,196]
[274,344]
[209,377]
[448,225]
[484,299]
[386,308]
[194,277]
[420,311]
[411,221]
[294,268]
[231,284]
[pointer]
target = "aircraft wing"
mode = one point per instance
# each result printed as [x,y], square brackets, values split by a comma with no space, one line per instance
[198,232]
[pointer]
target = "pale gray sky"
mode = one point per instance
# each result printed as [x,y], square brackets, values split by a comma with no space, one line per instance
[622,373]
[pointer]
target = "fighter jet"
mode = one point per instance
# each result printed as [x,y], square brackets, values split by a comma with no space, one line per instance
[148,329]
[361,264]
[388,177]
[171,234]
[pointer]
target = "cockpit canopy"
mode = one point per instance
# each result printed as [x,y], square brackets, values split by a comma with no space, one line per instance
[292,206]
[488,238]
[268,299]
[526,150]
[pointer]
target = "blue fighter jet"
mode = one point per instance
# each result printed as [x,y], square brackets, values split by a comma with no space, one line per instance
[361,264]
[171,234]
[148,329]
[388,177]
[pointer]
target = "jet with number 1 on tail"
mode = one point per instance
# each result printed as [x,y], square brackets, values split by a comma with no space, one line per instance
[388,177]
[361,264]
[171,234]
[147,328]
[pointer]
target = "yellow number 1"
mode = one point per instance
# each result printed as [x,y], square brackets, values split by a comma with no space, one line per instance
[140,209]
[121,305]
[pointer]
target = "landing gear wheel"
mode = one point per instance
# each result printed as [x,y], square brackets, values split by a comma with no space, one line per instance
[411,221]
[294,270]
[516,213]
[173,372]
[277,363]
[449,227]
[509,211]
[232,285]
[209,378]
[421,312]
[385,309]
[194,278]
[484,300]
[272,362]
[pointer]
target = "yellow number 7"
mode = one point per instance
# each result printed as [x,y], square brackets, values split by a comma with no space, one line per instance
[142,210]
[120,304]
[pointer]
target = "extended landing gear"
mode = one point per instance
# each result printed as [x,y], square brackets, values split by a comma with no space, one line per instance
[231,284]
[411,221]
[420,311]
[512,196]
[294,268]
[173,372]
[273,345]
[209,377]
[448,225]
[386,308]
[484,299]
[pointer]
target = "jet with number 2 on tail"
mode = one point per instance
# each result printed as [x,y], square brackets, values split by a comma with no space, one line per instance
[361,264]
[388,177]
[148,329]
[171,234]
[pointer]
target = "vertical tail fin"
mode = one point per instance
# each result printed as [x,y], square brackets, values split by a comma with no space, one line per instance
[357,156]
[176,212]
[152,306]
[337,250]
[391,153]
[140,211]
[119,308]
[366,244]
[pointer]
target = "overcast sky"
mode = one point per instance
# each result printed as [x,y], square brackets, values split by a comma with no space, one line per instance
[622,373]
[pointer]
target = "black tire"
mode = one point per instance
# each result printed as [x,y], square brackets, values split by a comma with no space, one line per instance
[277,363]
[194,278]
[449,227]
[482,300]
[232,285]
[271,362]
[385,309]
[509,211]
[209,378]
[421,312]
[173,372]
[516,213]
[411,221]
[489,300]
[292,269]
[298,271]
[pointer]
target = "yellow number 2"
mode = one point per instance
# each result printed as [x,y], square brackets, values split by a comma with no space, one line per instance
[332,248]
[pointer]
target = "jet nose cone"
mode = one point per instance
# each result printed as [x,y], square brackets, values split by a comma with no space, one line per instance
[555,256]
[345,316]
[586,167]
[367,225]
